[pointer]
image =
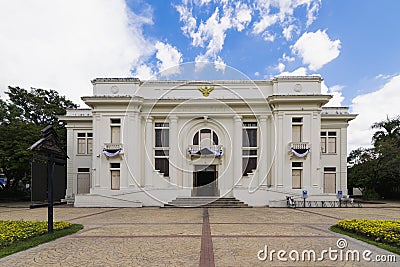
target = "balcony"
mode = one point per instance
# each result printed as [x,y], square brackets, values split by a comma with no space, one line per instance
[299,149]
[112,146]
[205,151]
[111,150]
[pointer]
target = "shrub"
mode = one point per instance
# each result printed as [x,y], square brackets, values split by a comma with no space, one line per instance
[12,231]
[384,231]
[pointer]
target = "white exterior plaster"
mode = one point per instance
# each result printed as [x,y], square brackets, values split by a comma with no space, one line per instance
[141,104]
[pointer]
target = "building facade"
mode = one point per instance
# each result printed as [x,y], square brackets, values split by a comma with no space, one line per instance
[146,143]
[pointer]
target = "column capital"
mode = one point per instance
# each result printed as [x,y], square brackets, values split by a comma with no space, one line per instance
[262,118]
[237,118]
[133,115]
[173,118]
[149,119]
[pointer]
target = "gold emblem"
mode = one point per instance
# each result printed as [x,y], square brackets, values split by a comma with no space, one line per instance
[205,90]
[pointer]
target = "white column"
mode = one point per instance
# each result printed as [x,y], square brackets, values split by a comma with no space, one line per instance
[270,147]
[262,162]
[315,172]
[148,155]
[237,149]
[98,144]
[342,172]
[279,160]
[135,158]
[173,150]
[71,172]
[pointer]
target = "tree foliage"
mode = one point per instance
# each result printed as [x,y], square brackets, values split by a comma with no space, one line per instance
[377,169]
[22,117]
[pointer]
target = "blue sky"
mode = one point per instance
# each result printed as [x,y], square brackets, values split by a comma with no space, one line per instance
[352,44]
[368,33]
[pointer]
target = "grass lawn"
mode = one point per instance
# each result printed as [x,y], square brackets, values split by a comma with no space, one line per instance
[381,233]
[16,236]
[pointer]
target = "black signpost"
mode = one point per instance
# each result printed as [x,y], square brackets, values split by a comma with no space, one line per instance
[50,147]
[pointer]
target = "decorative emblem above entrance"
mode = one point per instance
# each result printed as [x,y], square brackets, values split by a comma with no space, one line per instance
[205,90]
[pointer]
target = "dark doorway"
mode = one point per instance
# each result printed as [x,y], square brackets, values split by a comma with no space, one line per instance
[205,181]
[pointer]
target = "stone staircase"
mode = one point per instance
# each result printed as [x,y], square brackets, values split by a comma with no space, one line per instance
[206,202]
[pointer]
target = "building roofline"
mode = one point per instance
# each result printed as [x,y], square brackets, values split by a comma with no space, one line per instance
[138,81]
[116,80]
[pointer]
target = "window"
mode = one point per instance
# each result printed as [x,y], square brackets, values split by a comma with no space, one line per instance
[297,125]
[161,151]
[330,180]
[83,181]
[249,147]
[297,172]
[85,143]
[115,176]
[89,144]
[81,145]
[328,142]
[162,134]
[323,142]
[115,125]
[205,137]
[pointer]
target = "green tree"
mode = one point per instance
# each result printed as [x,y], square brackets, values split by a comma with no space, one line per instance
[377,170]
[388,129]
[22,117]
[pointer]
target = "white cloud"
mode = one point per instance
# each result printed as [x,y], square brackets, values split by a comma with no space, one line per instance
[203,2]
[257,17]
[201,61]
[281,12]
[169,59]
[219,64]
[264,23]
[312,11]
[269,37]
[287,32]
[64,44]
[373,107]
[336,92]
[384,76]
[281,67]
[297,72]
[316,49]
[256,74]
[211,33]
[190,24]
[287,58]
[144,72]
[242,16]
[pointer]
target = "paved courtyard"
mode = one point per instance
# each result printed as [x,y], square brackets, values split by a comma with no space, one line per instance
[196,237]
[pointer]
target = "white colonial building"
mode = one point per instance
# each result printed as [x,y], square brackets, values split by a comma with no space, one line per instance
[150,142]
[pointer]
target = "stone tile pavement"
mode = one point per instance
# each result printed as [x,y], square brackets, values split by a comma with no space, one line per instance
[193,237]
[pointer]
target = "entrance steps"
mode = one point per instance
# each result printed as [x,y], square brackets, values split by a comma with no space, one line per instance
[206,202]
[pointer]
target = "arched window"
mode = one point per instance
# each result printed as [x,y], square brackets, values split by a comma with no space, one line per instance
[205,137]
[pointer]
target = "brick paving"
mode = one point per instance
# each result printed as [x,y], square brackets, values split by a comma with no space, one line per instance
[192,237]
[207,251]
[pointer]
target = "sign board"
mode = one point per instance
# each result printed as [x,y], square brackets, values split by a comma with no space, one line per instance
[39,182]
[304,194]
[340,194]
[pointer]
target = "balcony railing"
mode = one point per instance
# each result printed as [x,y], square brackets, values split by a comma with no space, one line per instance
[112,146]
[299,149]
[299,145]
[210,151]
